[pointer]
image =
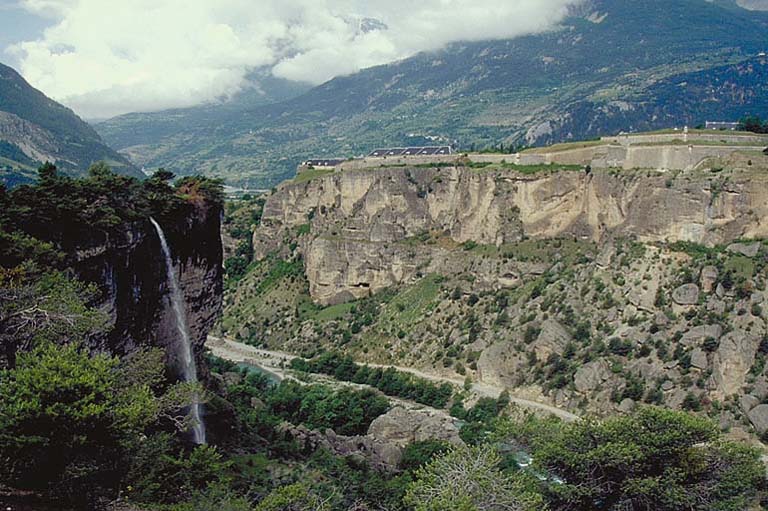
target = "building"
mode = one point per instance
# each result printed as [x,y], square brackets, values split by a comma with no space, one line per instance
[411,151]
[323,163]
[729,126]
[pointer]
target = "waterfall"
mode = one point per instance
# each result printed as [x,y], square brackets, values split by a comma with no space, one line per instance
[189,369]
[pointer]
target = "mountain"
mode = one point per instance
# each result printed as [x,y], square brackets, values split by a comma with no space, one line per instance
[611,66]
[35,129]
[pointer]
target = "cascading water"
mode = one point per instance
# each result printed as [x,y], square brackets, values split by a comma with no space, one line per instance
[189,369]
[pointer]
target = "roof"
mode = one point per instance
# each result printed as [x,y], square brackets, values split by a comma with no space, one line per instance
[411,151]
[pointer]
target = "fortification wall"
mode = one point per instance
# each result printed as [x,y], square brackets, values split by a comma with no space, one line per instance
[723,137]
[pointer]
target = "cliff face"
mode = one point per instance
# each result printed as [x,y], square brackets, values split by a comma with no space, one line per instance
[131,275]
[361,222]
[564,286]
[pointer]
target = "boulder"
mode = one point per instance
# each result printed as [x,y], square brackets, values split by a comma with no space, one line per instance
[708,278]
[732,361]
[591,376]
[697,335]
[627,406]
[699,359]
[687,294]
[402,427]
[552,339]
[745,249]
[748,402]
[758,416]
[232,378]
[667,386]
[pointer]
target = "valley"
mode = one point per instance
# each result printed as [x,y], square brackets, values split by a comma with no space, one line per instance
[509,257]
[557,285]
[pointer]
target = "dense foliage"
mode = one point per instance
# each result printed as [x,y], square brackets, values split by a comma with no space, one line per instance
[44,221]
[240,218]
[754,124]
[390,381]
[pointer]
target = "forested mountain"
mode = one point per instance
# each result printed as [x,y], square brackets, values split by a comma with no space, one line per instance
[35,129]
[611,66]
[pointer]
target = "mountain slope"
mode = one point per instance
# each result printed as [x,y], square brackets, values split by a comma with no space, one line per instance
[613,65]
[34,129]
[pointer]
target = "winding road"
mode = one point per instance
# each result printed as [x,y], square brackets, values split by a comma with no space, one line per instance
[275,362]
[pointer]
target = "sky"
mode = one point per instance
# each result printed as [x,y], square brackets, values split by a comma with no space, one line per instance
[107,57]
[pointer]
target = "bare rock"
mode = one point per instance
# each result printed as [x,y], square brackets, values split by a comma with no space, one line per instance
[708,278]
[232,378]
[552,339]
[745,249]
[758,416]
[732,361]
[699,359]
[627,406]
[687,294]
[748,402]
[402,427]
[591,376]
[697,335]
[667,386]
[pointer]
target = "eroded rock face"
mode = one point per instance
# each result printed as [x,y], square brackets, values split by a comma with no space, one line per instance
[362,221]
[130,273]
[403,427]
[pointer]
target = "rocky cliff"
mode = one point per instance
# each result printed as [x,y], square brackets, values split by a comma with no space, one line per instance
[130,272]
[361,221]
[593,291]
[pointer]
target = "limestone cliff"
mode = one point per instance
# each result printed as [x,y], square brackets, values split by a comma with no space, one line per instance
[361,221]
[590,290]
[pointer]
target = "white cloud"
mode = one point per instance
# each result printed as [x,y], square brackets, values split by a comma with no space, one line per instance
[106,57]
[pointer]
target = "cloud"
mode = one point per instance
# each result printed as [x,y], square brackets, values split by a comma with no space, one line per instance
[106,57]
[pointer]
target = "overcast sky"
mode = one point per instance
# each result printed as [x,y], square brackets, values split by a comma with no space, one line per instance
[106,57]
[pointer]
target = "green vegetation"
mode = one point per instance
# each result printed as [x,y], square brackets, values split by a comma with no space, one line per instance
[74,143]
[390,381]
[71,421]
[754,124]
[240,218]
[346,411]
[657,459]
[104,202]
[310,174]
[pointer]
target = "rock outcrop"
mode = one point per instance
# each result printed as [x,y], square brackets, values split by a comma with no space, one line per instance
[130,273]
[361,221]
[403,427]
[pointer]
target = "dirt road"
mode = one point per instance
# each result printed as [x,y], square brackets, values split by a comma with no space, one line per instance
[276,361]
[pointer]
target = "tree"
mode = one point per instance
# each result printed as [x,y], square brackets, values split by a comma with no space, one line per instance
[37,307]
[754,124]
[294,497]
[69,419]
[468,479]
[657,459]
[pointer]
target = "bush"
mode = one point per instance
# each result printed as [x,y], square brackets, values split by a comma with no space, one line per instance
[657,459]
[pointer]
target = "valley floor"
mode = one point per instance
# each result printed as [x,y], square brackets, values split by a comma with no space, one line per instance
[275,361]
